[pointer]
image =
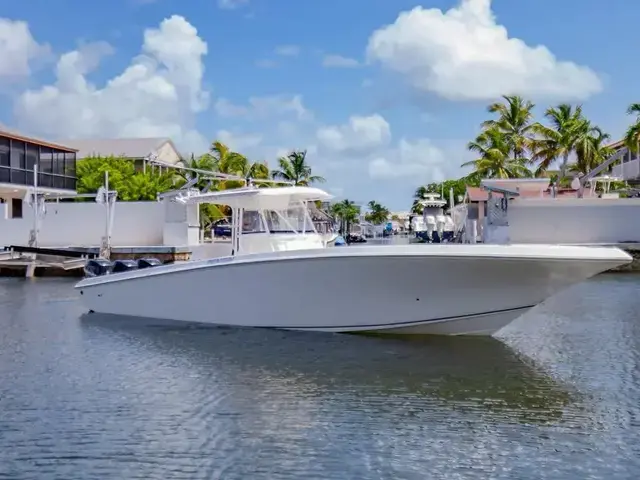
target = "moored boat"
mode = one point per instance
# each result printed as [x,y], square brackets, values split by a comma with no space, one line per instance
[279,263]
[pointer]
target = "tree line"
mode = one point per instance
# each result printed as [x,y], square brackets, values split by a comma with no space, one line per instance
[515,145]
[146,185]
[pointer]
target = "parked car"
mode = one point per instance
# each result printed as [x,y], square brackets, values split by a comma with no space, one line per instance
[221,228]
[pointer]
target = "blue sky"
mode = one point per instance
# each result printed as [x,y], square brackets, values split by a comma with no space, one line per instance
[384,94]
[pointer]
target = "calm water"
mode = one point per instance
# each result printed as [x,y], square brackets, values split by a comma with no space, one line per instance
[558,396]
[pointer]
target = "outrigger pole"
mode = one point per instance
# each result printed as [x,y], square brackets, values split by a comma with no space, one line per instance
[208,174]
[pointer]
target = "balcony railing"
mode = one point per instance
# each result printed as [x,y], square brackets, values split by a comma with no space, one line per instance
[20,176]
[628,171]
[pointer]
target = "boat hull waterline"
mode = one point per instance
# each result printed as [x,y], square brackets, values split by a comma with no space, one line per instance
[407,289]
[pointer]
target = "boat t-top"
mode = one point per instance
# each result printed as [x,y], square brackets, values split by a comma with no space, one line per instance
[279,265]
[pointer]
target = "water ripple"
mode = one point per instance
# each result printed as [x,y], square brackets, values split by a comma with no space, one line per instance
[558,396]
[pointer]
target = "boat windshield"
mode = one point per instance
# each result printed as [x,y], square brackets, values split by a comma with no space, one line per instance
[294,219]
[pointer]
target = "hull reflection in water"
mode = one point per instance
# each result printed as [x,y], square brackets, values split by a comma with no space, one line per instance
[467,374]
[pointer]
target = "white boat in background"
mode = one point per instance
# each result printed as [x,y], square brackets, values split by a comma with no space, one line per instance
[280,264]
[433,219]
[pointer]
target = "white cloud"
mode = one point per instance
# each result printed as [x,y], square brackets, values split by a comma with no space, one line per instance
[239,142]
[18,49]
[266,63]
[464,54]
[419,160]
[265,107]
[341,153]
[231,4]
[338,61]
[288,50]
[158,94]
[366,142]
[359,134]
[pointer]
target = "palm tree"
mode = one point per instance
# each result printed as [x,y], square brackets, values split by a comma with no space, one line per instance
[294,168]
[229,162]
[204,162]
[257,171]
[632,136]
[559,140]
[347,213]
[495,161]
[515,122]
[208,212]
[591,150]
[377,214]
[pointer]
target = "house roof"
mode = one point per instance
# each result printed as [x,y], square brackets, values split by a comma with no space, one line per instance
[126,147]
[477,194]
[10,133]
[616,145]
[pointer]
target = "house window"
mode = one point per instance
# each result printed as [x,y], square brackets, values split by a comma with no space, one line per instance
[58,163]
[32,156]
[5,154]
[16,208]
[17,154]
[70,164]
[46,160]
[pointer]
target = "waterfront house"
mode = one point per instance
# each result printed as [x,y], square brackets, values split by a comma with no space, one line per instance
[138,150]
[19,154]
[475,198]
[629,167]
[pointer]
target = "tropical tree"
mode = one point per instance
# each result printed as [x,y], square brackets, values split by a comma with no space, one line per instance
[494,157]
[347,213]
[515,122]
[257,171]
[90,173]
[377,214]
[146,186]
[632,136]
[567,130]
[204,163]
[591,150]
[294,168]
[130,185]
[228,162]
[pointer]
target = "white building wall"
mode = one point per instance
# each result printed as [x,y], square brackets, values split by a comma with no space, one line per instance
[574,220]
[628,171]
[167,154]
[84,224]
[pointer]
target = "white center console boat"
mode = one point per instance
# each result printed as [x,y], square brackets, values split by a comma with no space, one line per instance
[280,265]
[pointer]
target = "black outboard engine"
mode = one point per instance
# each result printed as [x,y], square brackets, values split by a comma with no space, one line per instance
[97,267]
[120,266]
[149,262]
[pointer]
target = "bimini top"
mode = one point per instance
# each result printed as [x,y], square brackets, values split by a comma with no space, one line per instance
[253,198]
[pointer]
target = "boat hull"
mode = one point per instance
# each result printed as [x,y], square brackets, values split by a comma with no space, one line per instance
[409,289]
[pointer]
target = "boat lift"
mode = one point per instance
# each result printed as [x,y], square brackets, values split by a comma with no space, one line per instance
[37,200]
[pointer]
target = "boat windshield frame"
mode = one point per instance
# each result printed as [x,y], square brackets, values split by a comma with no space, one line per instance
[267,218]
[276,200]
